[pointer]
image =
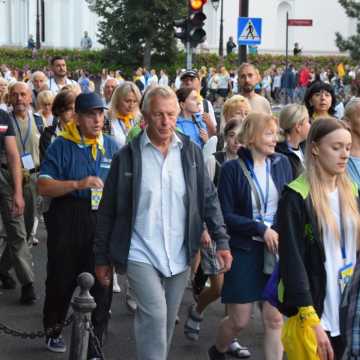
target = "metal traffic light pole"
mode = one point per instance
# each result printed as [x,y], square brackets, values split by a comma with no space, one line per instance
[243,12]
[188,44]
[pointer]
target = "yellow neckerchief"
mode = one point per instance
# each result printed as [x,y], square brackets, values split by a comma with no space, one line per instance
[315,116]
[71,133]
[126,119]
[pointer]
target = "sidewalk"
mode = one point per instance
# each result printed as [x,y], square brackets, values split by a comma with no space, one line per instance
[120,343]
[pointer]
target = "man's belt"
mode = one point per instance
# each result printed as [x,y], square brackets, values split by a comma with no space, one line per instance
[32,171]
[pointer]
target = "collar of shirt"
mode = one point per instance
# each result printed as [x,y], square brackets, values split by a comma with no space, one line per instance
[145,140]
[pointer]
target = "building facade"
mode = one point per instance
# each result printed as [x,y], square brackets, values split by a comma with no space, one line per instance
[328,17]
[63,23]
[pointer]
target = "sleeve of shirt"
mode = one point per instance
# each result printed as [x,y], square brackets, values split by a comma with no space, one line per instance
[53,165]
[5,121]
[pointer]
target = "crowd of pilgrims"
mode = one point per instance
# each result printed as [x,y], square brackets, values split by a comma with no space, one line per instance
[288,188]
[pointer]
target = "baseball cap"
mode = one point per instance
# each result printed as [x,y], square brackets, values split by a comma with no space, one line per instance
[190,74]
[85,102]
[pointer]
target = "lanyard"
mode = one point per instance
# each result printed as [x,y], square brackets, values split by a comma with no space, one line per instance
[123,128]
[342,235]
[28,131]
[264,198]
[120,125]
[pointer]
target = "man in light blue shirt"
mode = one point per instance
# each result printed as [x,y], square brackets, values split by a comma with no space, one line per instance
[159,231]
[156,202]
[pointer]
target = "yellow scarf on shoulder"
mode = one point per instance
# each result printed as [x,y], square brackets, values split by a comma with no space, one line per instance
[71,133]
[126,119]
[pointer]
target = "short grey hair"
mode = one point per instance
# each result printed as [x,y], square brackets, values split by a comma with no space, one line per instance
[111,79]
[37,74]
[18,83]
[165,92]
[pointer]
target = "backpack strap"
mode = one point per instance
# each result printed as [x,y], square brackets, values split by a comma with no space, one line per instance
[251,183]
[39,123]
[205,106]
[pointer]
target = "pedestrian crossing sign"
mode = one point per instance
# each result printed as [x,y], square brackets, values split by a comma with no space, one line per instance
[249,31]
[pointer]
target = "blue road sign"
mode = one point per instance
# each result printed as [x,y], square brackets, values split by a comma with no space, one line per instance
[249,31]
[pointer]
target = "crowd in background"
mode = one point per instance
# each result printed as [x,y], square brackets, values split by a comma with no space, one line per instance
[269,143]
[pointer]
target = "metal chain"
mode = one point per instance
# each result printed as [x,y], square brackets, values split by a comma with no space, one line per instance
[94,339]
[29,335]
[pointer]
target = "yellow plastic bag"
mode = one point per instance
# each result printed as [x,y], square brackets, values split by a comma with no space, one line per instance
[298,336]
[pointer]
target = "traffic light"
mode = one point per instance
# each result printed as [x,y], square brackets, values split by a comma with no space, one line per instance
[182,34]
[196,19]
[190,29]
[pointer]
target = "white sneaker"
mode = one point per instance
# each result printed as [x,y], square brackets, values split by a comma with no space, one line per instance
[116,286]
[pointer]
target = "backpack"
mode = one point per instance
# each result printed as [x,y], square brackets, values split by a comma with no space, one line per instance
[39,123]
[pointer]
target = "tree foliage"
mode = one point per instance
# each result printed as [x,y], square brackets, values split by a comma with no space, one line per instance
[136,31]
[352,43]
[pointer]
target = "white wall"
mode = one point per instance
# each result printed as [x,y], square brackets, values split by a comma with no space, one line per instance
[328,17]
[66,21]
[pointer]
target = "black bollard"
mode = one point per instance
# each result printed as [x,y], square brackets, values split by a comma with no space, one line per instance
[83,304]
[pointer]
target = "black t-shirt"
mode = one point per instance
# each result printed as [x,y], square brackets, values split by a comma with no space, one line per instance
[6,128]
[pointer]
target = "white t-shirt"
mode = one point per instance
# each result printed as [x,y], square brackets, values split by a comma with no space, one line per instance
[55,88]
[334,261]
[299,153]
[272,203]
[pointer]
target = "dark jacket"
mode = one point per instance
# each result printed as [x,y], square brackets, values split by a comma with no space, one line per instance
[118,208]
[47,137]
[296,165]
[288,79]
[301,250]
[235,197]
[220,157]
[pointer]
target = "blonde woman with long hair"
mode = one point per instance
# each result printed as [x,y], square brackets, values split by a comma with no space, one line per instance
[318,224]
[124,111]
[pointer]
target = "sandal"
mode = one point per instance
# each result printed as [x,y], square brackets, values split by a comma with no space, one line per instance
[238,351]
[192,324]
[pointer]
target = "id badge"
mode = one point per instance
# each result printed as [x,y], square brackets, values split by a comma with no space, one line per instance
[105,163]
[345,274]
[96,195]
[27,161]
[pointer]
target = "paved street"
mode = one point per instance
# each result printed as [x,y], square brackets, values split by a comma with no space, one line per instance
[120,343]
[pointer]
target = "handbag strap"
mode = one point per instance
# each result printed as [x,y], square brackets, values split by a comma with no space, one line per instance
[251,183]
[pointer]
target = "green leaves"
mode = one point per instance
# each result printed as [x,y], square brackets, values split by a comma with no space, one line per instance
[133,31]
[351,44]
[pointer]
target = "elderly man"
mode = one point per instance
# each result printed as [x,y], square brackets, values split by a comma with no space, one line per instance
[59,78]
[73,175]
[157,200]
[28,128]
[109,87]
[39,83]
[249,77]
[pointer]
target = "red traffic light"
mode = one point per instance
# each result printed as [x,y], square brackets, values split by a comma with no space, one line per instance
[197,5]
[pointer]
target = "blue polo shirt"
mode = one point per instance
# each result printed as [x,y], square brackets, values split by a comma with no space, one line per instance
[66,160]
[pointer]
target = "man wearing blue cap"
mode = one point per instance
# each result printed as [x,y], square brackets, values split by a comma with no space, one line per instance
[73,175]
